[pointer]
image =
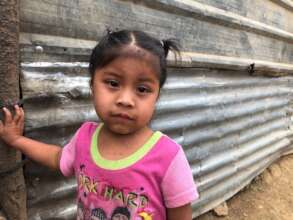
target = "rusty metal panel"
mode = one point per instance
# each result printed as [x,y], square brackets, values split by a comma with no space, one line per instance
[201,28]
[231,123]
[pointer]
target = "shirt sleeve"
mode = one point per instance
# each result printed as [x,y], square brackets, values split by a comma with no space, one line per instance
[178,185]
[68,157]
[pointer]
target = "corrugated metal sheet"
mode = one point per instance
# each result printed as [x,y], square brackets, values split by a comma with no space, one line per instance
[231,123]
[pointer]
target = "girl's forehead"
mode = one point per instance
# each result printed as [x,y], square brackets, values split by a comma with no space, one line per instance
[132,66]
[135,51]
[142,55]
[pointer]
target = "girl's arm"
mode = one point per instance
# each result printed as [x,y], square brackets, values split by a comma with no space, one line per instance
[11,130]
[182,213]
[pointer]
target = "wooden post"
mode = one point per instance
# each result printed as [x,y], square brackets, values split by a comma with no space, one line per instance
[12,190]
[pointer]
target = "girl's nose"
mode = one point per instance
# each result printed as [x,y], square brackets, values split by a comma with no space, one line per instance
[125,98]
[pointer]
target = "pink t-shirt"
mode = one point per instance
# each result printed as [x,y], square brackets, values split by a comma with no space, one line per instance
[141,186]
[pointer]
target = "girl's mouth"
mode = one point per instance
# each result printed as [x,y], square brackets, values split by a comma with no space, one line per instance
[123,116]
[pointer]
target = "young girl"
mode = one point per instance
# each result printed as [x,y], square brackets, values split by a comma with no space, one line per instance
[124,169]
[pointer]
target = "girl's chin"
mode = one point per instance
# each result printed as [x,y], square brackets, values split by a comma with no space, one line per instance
[121,129]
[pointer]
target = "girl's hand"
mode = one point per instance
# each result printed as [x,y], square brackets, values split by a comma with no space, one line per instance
[12,127]
[11,130]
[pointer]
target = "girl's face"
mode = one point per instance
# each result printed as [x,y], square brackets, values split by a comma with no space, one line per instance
[125,93]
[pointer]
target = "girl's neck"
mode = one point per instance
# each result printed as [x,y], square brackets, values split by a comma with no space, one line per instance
[117,146]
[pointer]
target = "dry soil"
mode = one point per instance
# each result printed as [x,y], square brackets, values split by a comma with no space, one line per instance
[268,197]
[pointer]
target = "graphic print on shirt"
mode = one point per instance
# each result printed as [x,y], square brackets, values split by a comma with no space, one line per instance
[98,214]
[100,200]
[82,212]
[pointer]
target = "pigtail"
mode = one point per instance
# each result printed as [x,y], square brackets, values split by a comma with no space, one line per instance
[114,36]
[109,31]
[171,44]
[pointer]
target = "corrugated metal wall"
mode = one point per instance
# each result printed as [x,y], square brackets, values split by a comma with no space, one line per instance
[232,123]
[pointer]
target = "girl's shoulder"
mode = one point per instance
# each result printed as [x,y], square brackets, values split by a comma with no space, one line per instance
[88,125]
[87,128]
[167,144]
[168,140]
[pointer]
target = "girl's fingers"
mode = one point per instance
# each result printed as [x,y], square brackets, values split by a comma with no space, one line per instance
[7,116]
[17,115]
[1,127]
[21,114]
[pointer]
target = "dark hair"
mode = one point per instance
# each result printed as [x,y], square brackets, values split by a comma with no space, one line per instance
[114,45]
[121,210]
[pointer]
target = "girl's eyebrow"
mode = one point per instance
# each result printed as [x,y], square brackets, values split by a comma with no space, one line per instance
[113,74]
[146,79]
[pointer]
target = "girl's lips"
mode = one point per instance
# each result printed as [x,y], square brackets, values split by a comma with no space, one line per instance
[123,116]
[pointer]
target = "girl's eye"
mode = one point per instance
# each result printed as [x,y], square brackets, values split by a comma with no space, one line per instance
[112,83]
[143,89]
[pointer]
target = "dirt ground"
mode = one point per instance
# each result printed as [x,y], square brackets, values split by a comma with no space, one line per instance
[268,197]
